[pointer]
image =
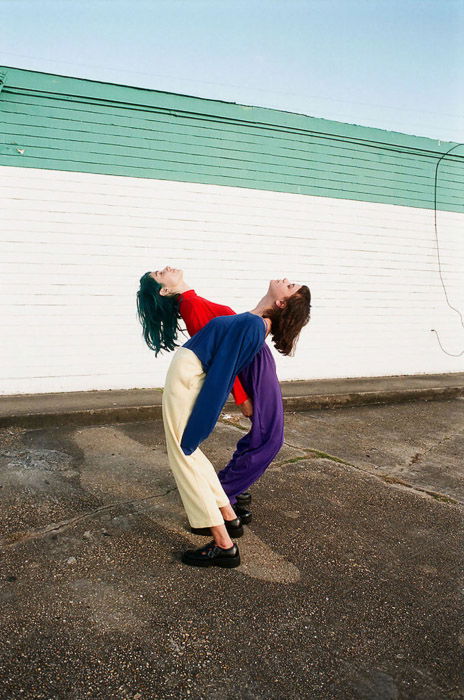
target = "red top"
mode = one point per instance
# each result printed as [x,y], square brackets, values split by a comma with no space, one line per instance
[197,312]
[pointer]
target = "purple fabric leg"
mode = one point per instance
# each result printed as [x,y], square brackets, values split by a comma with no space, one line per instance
[256,450]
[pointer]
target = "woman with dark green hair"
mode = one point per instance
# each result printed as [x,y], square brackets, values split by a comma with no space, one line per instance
[163,300]
[158,313]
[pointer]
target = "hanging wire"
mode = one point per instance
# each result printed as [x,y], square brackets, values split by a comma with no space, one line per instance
[439,258]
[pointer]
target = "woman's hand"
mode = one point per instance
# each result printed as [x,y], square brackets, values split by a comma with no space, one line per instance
[247,408]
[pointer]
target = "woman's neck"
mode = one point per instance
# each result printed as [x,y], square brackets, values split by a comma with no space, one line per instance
[181,288]
[263,306]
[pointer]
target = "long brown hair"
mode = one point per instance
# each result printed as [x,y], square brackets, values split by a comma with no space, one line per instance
[288,321]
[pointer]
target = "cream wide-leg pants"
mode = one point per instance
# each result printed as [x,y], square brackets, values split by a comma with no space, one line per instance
[196,479]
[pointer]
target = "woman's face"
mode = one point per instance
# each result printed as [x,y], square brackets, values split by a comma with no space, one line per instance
[280,290]
[169,277]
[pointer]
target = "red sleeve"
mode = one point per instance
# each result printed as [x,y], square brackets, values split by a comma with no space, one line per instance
[238,392]
[196,314]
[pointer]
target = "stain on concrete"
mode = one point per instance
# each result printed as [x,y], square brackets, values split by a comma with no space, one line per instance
[118,467]
[110,609]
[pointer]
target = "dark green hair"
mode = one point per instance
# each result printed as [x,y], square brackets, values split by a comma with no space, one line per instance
[159,315]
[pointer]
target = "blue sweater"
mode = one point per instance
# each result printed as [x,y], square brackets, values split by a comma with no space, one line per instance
[224,347]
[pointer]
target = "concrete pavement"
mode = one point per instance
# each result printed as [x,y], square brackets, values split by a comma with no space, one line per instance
[350,587]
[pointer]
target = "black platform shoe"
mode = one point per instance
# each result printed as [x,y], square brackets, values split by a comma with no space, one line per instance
[244,514]
[233,527]
[212,555]
[244,499]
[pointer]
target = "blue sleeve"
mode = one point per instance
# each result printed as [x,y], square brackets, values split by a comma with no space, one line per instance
[208,406]
[230,358]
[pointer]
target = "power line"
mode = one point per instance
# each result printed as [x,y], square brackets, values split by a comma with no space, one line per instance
[233,85]
[439,258]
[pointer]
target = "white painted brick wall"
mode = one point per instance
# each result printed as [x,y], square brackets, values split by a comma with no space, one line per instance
[74,245]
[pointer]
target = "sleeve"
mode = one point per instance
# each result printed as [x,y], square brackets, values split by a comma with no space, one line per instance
[239,393]
[196,315]
[208,406]
[228,361]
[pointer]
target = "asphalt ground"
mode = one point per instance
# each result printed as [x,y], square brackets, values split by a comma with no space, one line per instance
[350,587]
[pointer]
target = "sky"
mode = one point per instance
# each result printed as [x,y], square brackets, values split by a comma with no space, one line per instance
[392,64]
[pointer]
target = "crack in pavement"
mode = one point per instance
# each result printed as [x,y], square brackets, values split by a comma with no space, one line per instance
[16,538]
[420,455]
[385,478]
[312,451]
[389,479]
[225,420]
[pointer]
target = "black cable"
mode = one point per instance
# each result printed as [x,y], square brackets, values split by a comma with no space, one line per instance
[235,121]
[439,259]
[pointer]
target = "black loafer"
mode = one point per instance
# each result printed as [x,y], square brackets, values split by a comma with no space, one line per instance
[233,527]
[244,514]
[212,555]
[244,499]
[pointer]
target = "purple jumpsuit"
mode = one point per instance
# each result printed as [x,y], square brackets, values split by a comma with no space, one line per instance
[256,450]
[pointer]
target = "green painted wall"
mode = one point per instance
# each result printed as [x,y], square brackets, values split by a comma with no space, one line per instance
[61,123]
